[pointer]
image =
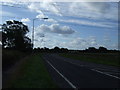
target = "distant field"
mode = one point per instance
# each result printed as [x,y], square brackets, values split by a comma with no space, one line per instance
[33,74]
[102,58]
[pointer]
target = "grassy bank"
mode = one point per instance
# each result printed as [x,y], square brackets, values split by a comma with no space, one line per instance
[33,74]
[102,58]
[10,57]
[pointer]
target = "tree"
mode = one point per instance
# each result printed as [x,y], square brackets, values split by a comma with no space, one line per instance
[56,49]
[64,50]
[14,35]
[102,49]
[92,49]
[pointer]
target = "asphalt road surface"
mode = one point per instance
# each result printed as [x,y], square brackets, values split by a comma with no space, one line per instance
[68,73]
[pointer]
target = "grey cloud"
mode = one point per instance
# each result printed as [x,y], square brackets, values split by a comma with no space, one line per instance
[93,10]
[40,35]
[56,28]
[101,7]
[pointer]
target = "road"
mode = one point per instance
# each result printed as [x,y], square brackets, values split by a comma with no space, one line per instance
[68,73]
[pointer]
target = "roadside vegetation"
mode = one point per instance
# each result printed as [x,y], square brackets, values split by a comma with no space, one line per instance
[15,43]
[102,58]
[28,73]
[32,74]
[10,57]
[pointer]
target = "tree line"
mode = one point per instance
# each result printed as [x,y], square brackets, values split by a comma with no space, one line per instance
[65,50]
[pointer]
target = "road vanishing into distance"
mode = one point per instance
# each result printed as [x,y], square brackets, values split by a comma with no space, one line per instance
[69,73]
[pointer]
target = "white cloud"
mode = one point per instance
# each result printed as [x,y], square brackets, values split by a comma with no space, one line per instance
[90,23]
[40,7]
[55,28]
[51,20]
[7,1]
[44,7]
[50,6]
[92,41]
[93,10]
[35,7]
[25,20]
[61,0]
[81,43]
[40,16]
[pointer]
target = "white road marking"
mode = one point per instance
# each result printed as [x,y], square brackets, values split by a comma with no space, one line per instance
[94,70]
[73,86]
[105,73]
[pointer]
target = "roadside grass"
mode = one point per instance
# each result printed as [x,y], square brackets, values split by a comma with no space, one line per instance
[33,74]
[101,58]
[10,57]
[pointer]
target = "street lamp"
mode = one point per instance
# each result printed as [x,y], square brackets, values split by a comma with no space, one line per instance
[1,26]
[33,29]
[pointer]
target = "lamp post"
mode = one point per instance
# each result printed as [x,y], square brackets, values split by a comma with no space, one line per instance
[33,29]
[0,26]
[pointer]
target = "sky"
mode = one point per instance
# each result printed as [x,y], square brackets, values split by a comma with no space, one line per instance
[72,25]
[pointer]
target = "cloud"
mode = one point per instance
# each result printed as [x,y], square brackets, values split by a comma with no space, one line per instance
[92,40]
[93,10]
[36,7]
[50,6]
[51,20]
[114,0]
[44,7]
[25,20]
[78,42]
[100,7]
[7,1]
[81,43]
[56,28]
[40,34]
[89,23]
[40,16]
[106,39]
[61,0]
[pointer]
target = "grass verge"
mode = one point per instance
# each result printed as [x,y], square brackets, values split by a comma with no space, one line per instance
[33,74]
[101,58]
[10,57]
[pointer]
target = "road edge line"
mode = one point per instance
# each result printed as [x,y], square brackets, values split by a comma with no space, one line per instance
[73,86]
[105,73]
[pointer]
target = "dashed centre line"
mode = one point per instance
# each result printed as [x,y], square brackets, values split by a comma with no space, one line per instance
[94,70]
